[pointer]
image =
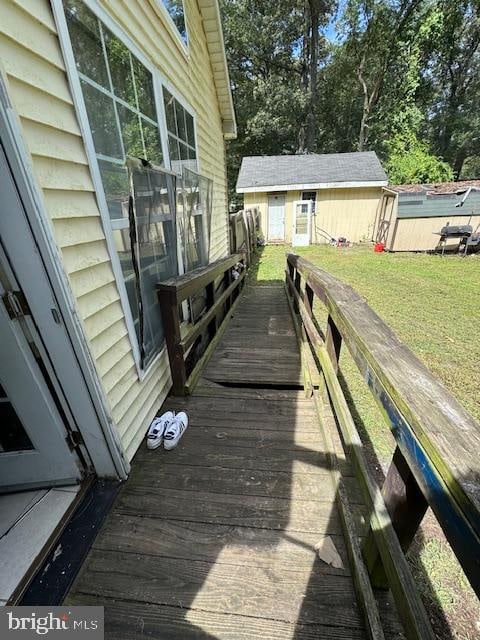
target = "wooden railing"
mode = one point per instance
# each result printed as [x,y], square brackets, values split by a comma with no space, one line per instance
[220,291]
[244,228]
[436,460]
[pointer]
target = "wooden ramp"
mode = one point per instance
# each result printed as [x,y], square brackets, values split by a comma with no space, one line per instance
[259,346]
[219,538]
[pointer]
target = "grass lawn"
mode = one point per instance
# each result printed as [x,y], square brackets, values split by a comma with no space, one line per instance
[433,305]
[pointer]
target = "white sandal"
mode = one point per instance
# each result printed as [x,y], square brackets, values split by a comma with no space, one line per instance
[175,430]
[157,429]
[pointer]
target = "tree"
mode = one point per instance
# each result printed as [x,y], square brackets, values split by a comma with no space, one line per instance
[454,82]
[400,77]
[410,162]
[374,29]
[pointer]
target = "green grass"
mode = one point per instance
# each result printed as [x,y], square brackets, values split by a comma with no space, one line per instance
[433,305]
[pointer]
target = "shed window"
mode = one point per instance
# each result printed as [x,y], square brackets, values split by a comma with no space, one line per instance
[310,195]
[176,12]
[181,135]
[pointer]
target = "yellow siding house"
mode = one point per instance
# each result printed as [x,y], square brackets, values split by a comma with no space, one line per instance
[311,199]
[85,85]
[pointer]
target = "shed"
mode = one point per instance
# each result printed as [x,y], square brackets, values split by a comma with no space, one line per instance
[410,217]
[310,198]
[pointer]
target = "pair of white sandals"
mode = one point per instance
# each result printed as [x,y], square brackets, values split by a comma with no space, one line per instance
[168,428]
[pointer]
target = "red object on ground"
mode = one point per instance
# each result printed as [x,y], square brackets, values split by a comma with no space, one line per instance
[379,247]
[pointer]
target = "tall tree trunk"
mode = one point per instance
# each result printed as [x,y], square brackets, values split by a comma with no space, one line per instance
[313,72]
[302,132]
[362,134]
[460,158]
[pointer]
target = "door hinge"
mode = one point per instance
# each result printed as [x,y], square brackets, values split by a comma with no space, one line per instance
[74,440]
[16,304]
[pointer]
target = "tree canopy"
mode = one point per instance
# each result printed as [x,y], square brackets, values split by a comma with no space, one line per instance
[400,77]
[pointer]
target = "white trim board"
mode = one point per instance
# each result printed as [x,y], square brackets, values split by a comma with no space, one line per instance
[310,186]
[212,25]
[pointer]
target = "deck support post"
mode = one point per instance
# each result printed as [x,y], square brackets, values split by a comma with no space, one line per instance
[171,320]
[406,505]
[210,296]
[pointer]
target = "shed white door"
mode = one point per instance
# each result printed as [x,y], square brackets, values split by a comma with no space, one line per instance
[302,215]
[276,217]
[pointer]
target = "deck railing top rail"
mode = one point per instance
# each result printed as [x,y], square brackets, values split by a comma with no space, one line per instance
[438,442]
[448,434]
[186,285]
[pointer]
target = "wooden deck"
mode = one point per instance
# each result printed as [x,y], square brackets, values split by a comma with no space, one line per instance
[218,539]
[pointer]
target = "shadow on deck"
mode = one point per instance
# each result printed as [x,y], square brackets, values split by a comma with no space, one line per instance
[218,538]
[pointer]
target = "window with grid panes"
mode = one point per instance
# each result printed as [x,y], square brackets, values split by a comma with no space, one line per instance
[120,102]
[181,135]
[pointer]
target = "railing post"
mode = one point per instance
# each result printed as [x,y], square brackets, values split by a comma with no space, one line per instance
[308,300]
[297,282]
[406,505]
[210,299]
[171,323]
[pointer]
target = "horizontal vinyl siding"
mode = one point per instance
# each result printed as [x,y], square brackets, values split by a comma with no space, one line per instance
[31,57]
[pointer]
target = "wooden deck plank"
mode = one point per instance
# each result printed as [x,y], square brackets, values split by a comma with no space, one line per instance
[272,484]
[201,541]
[274,593]
[235,510]
[137,621]
[213,453]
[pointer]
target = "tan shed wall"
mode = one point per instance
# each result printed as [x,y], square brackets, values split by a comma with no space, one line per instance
[260,201]
[341,212]
[418,234]
[31,57]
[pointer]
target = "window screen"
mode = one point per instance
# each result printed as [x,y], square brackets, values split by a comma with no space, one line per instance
[181,135]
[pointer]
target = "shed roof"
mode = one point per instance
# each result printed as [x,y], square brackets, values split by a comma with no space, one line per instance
[310,171]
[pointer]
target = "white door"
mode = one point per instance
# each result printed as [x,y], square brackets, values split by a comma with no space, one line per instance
[34,449]
[276,218]
[302,215]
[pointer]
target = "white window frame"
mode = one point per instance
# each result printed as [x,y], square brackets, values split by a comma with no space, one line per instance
[314,202]
[179,140]
[172,27]
[159,81]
